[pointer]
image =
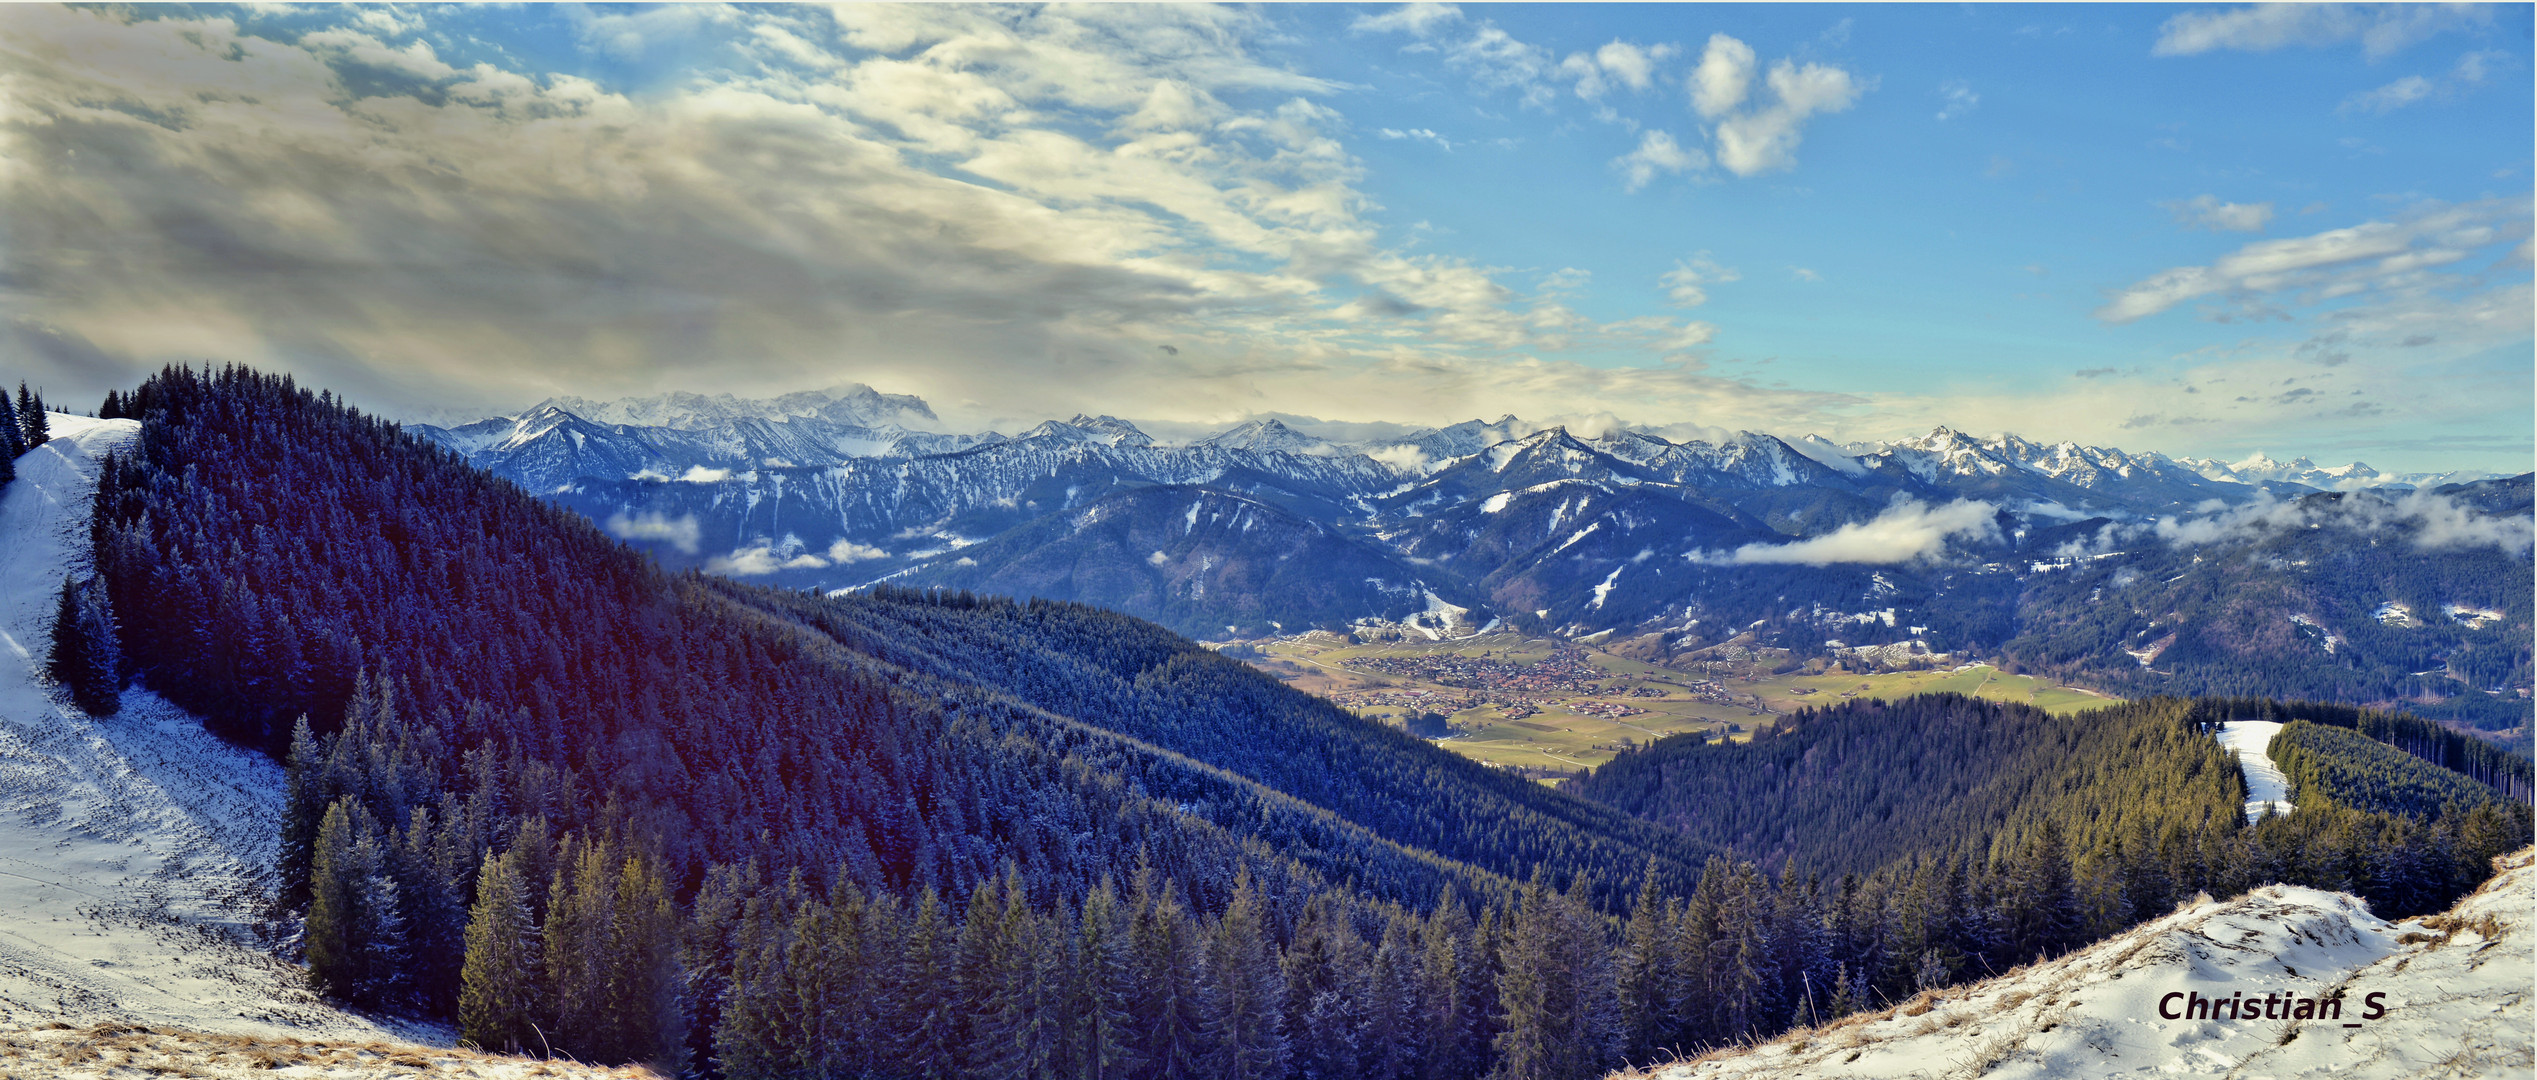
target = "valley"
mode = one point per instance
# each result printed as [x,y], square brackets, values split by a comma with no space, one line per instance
[1547,707]
[2125,571]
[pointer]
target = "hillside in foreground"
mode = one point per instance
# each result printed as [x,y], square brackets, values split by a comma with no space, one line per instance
[2453,988]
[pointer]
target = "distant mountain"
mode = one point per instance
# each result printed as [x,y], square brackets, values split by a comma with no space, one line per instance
[852,404]
[1204,562]
[2262,470]
[1961,543]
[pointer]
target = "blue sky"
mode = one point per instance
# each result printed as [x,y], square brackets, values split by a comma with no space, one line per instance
[2203,230]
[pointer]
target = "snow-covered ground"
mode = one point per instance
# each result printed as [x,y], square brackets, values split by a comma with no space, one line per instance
[2452,995]
[2266,787]
[135,851]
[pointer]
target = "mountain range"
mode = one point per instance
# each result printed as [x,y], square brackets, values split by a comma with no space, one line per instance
[1955,541]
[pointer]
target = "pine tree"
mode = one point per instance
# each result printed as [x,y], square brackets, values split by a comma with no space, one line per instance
[611,940]
[1559,1019]
[1248,994]
[1643,982]
[1324,964]
[979,978]
[34,429]
[1395,1031]
[85,657]
[354,935]
[1098,1006]
[927,994]
[12,441]
[500,999]
[1165,981]
[328,935]
[305,797]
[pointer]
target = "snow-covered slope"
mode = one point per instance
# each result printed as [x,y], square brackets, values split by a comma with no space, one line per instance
[2447,995]
[2266,787]
[135,851]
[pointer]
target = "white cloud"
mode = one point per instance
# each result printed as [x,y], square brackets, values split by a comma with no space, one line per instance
[763,558]
[1657,153]
[1416,20]
[2470,71]
[2208,212]
[681,533]
[1765,139]
[1725,74]
[2371,256]
[847,551]
[1956,98]
[1903,532]
[1497,61]
[1684,283]
[2431,522]
[1628,63]
[2381,28]
[1803,274]
[930,191]
[1420,134]
[2389,98]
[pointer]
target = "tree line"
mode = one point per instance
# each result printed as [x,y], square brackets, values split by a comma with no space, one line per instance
[538,786]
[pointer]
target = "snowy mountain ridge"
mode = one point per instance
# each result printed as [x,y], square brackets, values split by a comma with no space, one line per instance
[854,420]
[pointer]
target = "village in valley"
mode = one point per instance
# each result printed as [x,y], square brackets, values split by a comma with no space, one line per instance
[1550,708]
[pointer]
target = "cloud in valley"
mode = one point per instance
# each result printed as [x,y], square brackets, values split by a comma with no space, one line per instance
[680,533]
[2428,520]
[1906,531]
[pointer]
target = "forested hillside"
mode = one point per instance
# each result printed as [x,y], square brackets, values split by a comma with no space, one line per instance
[2352,769]
[1145,682]
[1847,788]
[581,805]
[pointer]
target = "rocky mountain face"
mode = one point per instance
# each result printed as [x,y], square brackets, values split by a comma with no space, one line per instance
[1956,542]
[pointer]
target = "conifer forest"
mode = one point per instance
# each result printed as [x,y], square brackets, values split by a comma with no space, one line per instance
[578,805]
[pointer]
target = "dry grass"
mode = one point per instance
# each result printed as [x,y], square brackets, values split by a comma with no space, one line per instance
[110,1049]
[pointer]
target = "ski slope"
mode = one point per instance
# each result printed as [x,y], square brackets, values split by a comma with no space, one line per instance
[2266,787]
[135,851]
[2453,991]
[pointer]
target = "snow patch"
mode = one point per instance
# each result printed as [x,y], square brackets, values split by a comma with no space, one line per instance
[136,852]
[1605,589]
[2266,786]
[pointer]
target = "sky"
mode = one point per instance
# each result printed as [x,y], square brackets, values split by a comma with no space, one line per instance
[2200,230]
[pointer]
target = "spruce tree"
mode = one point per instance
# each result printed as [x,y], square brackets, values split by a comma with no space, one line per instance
[84,657]
[12,431]
[11,442]
[327,933]
[1166,982]
[979,980]
[354,935]
[34,430]
[1643,981]
[1243,1010]
[1098,1007]
[305,797]
[926,1031]
[499,999]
